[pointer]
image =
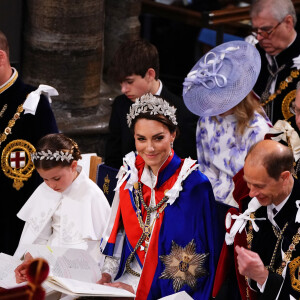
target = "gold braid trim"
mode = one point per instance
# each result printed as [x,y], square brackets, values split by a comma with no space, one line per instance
[11,124]
[283,85]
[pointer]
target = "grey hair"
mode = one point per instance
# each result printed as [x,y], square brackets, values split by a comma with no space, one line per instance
[279,9]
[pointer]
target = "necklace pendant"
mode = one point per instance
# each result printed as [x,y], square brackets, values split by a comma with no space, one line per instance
[142,248]
[146,246]
[147,230]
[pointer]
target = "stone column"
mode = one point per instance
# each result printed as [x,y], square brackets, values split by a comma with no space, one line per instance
[63,47]
[121,24]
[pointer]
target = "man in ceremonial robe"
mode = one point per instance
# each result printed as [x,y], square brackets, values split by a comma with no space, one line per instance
[273,25]
[271,259]
[21,126]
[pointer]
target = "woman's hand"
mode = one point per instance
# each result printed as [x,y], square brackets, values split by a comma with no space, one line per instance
[20,271]
[122,285]
[106,278]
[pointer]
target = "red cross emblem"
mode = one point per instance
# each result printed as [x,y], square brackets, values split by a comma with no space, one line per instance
[17,159]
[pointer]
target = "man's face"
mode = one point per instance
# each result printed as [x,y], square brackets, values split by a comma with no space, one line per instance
[135,86]
[277,35]
[266,189]
[297,108]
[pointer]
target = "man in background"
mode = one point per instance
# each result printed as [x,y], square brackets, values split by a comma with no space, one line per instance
[24,119]
[136,68]
[273,25]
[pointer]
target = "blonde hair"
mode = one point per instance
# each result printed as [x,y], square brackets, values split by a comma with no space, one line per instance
[244,112]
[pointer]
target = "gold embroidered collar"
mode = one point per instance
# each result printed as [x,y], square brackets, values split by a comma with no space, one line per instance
[10,81]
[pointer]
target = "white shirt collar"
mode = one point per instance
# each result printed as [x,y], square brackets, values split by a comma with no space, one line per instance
[159,89]
[277,207]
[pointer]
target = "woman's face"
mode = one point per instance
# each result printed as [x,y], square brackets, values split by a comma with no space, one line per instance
[153,142]
[59,178]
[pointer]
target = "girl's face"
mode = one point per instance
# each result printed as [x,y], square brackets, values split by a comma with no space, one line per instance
[59,178]
[153,142]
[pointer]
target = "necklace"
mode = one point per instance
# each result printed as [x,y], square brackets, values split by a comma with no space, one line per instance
[3,110]
[279,235]
[145,226]
[288,254]
[249,244]
[283,85]
[11,123]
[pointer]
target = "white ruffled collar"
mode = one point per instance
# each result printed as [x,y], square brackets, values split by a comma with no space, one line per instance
[130,173]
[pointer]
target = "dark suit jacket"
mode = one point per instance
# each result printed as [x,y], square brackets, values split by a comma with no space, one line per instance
[264,243]
[120,140]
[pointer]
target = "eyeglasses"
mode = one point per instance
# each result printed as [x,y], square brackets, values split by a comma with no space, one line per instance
[265,32]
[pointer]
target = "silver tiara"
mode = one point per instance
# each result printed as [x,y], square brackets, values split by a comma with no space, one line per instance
[49,155]
[153,105]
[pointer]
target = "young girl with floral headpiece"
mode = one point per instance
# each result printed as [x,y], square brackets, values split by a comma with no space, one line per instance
[161,236]
[68,209]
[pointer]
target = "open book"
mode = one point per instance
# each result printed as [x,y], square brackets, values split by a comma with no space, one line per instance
[72,271]
[80,288]
[7,275]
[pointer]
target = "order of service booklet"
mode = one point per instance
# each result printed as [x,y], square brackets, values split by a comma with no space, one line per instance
[72,271]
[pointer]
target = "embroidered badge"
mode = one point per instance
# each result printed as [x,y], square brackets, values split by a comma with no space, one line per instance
[16,162]
[106,185]
[287,106]
[294,273]
[184,265]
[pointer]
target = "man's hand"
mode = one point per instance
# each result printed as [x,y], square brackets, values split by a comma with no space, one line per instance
[20,271]
[251,265]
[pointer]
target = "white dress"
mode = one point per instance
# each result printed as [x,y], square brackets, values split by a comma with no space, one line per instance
[74,218]
[221,151]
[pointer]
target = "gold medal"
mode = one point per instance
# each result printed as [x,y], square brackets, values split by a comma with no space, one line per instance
[16,162]
[287,103]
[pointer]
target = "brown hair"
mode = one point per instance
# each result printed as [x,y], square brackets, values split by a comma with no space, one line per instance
[56,142]
[157,117]
[274,161]
[134,58]
[4,43]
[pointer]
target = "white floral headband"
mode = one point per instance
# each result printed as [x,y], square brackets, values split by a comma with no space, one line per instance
[153,105]
[49,155]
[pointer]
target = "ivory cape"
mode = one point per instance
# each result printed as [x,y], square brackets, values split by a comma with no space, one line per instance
[84,212]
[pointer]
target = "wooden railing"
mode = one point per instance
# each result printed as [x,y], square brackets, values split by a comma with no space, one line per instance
[195,18]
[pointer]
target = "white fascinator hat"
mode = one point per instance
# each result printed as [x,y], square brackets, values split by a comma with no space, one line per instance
[222,78]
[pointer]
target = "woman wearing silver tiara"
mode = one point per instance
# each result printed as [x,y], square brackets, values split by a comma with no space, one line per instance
[231,120]
[68,209]
[160,236]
